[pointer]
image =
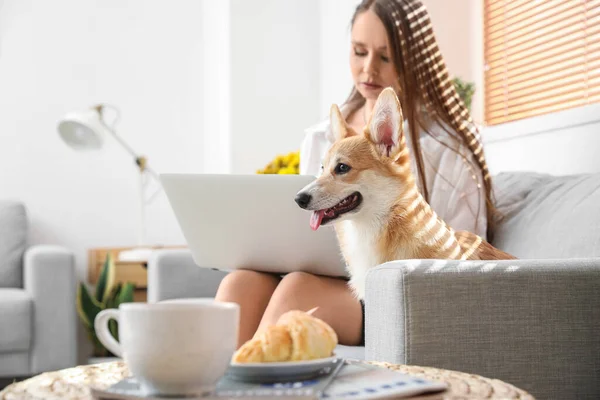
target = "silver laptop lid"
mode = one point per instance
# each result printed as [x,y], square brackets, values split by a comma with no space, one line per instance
[251,222]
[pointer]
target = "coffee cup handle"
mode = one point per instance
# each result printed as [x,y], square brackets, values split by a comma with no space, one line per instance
[103,333]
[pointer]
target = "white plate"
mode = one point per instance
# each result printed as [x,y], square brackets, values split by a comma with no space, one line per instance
[281,371]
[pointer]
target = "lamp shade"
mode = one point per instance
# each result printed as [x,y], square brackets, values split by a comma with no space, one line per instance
[83,130]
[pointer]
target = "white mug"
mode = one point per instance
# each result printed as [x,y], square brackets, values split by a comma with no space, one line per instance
[179,347]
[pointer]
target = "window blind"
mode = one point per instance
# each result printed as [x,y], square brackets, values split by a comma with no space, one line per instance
[541,56]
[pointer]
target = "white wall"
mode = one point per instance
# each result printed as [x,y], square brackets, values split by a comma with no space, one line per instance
[274,78]
[70,54]
[60,56]
[561,143]
[336,80]
[202,86]
[458,27]
[216,25]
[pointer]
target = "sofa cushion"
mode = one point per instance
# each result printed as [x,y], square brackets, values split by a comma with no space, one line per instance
[548,216]
[16,308]
[13,240]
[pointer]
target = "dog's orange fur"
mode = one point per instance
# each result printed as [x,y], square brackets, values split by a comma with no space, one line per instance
[397,223]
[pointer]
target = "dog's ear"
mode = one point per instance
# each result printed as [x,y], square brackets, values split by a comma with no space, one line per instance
[385,128]
[338,124]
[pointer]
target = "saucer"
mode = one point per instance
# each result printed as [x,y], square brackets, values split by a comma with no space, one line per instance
[269,372]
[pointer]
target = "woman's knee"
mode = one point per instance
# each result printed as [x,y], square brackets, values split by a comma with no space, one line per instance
[296,289]
[246,280]
[241,277]
[298,283]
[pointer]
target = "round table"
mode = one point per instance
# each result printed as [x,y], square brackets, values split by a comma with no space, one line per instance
[73,383]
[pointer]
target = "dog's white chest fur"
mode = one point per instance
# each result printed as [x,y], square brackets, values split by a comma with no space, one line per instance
[359,246]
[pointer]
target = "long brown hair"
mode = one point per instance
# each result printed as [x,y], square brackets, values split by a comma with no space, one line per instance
[425,84]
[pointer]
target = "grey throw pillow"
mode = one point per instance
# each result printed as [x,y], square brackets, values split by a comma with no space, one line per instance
[13,241]
[548,216]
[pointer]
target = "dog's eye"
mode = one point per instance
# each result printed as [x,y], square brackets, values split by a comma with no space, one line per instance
[342,168]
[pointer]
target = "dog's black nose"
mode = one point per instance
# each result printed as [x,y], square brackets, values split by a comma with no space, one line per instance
[303,199]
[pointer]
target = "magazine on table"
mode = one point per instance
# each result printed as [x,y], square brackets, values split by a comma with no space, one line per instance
[349,380]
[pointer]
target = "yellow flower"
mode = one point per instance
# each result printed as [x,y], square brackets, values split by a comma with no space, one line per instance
[287,164]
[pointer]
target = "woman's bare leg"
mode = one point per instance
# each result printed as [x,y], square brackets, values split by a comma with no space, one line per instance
[252,291]
[337,305]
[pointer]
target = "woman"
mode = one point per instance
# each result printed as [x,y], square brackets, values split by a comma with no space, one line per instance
[392,45]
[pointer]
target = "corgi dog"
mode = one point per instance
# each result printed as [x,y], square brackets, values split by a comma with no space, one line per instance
[368,192]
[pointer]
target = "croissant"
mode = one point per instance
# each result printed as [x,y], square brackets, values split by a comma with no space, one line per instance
[296,336]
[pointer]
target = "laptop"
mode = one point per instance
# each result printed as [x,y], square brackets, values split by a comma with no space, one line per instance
[248,221]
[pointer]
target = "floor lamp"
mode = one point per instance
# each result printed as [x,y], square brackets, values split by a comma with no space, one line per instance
[87,130]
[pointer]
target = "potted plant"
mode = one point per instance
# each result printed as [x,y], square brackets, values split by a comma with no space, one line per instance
[108,294]
[465,91]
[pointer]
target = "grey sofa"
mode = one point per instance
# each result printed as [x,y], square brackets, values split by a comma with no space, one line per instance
[37,300]
[533,322]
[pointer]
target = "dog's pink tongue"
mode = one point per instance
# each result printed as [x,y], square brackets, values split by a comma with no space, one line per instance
[316,218]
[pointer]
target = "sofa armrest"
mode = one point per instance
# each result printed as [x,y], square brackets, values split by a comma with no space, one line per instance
[49,278]
[533,323]
[173,273]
